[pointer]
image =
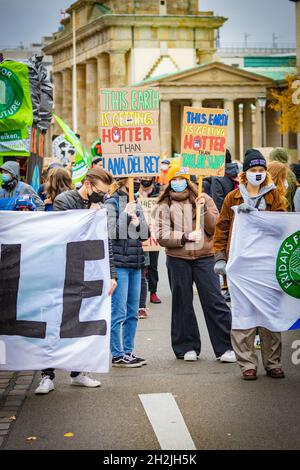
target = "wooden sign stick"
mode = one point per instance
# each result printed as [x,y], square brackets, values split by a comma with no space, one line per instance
[131,189]
[198,213]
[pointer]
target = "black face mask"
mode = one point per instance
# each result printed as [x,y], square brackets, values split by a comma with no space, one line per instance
[10,185]
[146,184]
[95,198]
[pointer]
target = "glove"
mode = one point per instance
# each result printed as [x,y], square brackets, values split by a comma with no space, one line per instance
[246,208]
[220,267]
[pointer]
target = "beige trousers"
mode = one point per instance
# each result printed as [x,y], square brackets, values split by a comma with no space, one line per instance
[243,345]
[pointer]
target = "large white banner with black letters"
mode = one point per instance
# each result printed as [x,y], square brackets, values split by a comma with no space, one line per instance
[54,280]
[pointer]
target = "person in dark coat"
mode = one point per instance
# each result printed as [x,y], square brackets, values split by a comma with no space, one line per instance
[222,185]
[148,188]
[127,229]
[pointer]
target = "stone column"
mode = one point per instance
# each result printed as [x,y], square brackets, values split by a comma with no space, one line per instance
[238,155]
[229,105]
[81,101]
[58,98]
[247,127]
[258,124]
[67,96]
[118,72]
[91,102]
[165,128]
[197,103]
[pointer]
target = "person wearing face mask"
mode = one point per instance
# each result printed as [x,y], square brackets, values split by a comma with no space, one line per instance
[127,229]
[90,196]
[256,192]
[12,187]
[190,259]
[163,177]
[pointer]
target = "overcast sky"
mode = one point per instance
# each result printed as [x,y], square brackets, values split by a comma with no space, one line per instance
[28,20]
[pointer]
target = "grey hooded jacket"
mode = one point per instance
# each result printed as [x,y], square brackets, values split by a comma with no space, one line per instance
[14,169]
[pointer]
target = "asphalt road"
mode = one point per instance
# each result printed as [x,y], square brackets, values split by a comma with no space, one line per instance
[219,409]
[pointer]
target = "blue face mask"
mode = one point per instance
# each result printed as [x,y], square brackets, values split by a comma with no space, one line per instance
[6,178]
[179,186]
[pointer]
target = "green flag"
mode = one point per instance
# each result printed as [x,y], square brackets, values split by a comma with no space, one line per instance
[83,159]
[16,115]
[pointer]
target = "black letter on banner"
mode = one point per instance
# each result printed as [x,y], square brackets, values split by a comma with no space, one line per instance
[9,286]
[76,289]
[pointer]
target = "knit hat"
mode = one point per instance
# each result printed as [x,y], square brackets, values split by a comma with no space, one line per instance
[279,154]
[177,171]
[252,158]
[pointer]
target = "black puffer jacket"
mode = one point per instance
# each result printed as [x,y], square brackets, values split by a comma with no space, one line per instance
[72,200]
[126,239]
[222,185]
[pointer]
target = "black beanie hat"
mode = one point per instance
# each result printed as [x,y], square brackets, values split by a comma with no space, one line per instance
[252,158]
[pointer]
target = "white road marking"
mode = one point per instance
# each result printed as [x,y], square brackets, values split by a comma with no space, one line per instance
[167,421]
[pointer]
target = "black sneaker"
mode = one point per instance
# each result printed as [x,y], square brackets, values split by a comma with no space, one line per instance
[125,361]
[133,357]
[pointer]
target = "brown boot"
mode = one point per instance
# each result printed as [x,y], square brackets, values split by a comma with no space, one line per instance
[276,373]
[249,374]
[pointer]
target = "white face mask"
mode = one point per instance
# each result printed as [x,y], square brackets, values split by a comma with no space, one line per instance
[164,167]
[256,179]
[286,184]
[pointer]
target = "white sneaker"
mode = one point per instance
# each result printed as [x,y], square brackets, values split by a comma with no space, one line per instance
[190,356]
[83,380]
[46,386]
[228,356]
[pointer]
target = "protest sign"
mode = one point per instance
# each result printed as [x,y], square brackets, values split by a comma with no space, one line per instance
[148,204]
[16,114]
[129,131]
[62,150]
[54,283]
[203,144]
[263,270]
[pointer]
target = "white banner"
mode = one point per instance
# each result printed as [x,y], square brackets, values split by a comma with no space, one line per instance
[264,271]
[54,282]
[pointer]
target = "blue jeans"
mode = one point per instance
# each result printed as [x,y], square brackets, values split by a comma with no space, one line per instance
[124,315]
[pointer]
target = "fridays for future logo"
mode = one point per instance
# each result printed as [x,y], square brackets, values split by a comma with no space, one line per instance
[288,265]
[11,93]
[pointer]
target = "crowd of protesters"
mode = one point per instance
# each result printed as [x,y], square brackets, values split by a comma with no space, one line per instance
[193,256]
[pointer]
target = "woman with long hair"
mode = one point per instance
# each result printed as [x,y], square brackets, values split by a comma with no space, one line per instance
[58,181]
[256,192]
[279,173]
[190,259]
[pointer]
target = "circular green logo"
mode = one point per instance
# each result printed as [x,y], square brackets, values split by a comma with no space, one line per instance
[96,148]
[11,93]
[288,265]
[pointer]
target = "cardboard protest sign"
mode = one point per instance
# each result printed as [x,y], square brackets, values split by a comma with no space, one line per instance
[148,204]
[203,143]
[129,131]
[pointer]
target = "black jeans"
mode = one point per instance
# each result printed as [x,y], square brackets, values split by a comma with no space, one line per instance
[144,288]
[51,375]
[184,329]
[153,271]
